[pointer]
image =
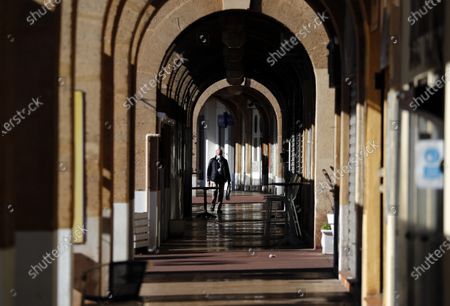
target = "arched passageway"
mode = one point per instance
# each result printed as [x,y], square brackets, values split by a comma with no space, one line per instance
[249,100]
[239,51]
[298,74]
[108,150]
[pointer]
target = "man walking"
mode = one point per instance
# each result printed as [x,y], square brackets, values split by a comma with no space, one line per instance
[219,173]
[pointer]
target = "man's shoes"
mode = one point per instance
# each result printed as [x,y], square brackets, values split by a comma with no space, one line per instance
[219,209]
[212,207]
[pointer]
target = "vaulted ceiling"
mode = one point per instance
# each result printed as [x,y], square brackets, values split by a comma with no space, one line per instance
[236,45]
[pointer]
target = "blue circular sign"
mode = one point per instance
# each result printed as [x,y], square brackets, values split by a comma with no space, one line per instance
[432,155]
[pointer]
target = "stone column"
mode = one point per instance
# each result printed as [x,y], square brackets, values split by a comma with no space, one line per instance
[323,150]
[446,264]
[89,67]
[371,230]
[8,205]
[248,151]
[39,154]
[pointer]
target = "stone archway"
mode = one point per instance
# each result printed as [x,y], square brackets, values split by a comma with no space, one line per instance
[263,91]
[158,37]
[161,32]
[140,39]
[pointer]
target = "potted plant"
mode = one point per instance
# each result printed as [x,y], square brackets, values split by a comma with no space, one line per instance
[330,219]
[331,183]
[327,240]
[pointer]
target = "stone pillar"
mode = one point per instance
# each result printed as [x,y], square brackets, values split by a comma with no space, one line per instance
[346,221]
[238,163]
[88,78]
[279,170]
[121,205]
[447,130]
[371,229]
[446,265]
[248,151]
[8,205]
[39,147]
[391,201]
[323,150]
[7,215]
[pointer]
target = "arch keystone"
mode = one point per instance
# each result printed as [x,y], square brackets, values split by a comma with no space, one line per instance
[236,4]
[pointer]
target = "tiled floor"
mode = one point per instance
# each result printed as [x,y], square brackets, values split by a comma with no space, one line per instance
[238,239]
[241,226]
[247,292]
[252,260]
[233,260]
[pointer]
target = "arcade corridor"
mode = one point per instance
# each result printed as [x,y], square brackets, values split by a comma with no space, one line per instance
[232,260]
[331,116]
[243,225]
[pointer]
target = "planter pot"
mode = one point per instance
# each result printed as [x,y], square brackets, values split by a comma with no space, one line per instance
[330,218]
[327,242]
